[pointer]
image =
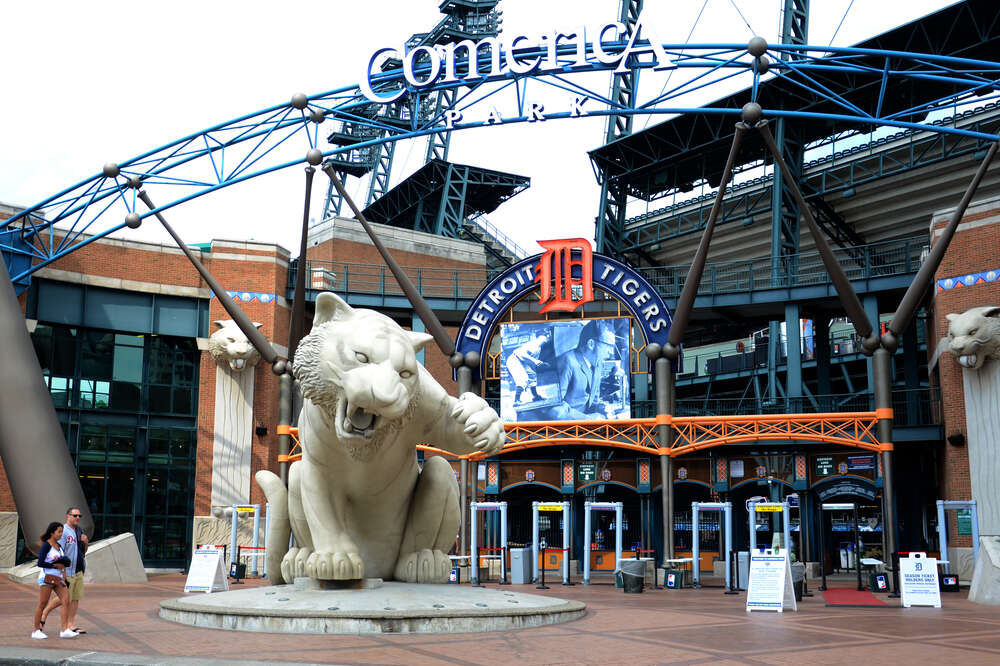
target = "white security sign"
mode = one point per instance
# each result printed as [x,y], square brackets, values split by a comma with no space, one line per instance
[919,581]
[770,586]
[206,573]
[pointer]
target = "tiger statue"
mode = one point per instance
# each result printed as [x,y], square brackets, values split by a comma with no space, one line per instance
[974,336]
[357,503]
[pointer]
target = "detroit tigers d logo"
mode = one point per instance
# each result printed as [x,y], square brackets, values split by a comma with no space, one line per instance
[558,272]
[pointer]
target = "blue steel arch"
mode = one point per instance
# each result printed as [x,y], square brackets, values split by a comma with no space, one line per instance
[278,137]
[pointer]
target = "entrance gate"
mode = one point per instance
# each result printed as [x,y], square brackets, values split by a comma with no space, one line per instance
[768,507]
[942,528]
[563,508]
[601,506]
[474,507]
[727,517]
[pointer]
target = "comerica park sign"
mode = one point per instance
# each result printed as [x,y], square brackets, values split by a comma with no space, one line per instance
[470,62]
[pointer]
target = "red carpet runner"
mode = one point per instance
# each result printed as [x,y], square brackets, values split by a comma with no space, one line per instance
[849,596]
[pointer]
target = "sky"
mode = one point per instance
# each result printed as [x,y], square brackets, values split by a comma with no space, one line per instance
[88,83]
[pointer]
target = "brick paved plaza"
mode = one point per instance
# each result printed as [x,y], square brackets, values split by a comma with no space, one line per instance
[658,626]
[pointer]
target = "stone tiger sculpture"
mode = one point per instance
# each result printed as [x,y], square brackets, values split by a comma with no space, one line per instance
[229,345]
[357,503]
[974,336]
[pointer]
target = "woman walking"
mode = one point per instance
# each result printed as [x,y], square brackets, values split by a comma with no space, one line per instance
[51,579]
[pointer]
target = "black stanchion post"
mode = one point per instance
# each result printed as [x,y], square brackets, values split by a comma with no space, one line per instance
[543,586]
[734,573]
[475,563]
[822,548]
[503,566]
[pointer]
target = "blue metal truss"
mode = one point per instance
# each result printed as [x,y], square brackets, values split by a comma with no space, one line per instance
[278,137]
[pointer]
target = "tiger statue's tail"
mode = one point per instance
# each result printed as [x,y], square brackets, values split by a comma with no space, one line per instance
[279,527]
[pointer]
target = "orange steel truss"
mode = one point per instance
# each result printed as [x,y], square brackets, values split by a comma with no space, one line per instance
[691,433]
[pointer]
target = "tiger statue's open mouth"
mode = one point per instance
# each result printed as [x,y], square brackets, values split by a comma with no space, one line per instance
[355,421]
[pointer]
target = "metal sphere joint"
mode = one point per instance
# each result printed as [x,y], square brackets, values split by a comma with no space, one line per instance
[653,351]
[279,367]
[317,116]
[671,351]
[299,100]
[757,46]
[472,359]
[132,220]
[752,113]
[314,156]
[763,64]
[111,170]
[456,360]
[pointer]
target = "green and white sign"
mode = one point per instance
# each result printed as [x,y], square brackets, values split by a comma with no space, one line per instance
[586,472]
[964,522]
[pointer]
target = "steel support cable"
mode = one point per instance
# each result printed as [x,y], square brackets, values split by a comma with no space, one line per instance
[423,310]
[915,292]
[255,337]
[685,303]
[848,297]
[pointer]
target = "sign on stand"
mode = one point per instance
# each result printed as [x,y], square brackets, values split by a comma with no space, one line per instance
[919,581]
[770,586]
[206,573]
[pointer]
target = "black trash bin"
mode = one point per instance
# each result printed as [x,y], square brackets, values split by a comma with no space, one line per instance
[798,579]
[633,576]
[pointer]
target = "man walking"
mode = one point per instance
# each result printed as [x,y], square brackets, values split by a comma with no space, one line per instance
[74,545]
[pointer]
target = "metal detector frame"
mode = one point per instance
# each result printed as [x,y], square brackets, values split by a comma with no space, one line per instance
[942,529]
[234,557]
[727,515]
[564,508]
[839,506]
[601,506]
[786,527]
[474,538]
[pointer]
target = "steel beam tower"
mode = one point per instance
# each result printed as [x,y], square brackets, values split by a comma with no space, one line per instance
[438,144]
[611,213]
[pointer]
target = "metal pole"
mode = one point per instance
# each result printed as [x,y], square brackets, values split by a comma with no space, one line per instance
[883,411]
[297,323]
[534,543]
[822,547]
[618,536]
[664,379]
[942,531]
[728,516]
[43,479]
[975,533]
[474,559]
[256,540]
[753,527]
[695,554]
[503,543]
[857,548]
[234,526]
[586,543]
[463,504]
[566,553]
[284,422]
[785,511]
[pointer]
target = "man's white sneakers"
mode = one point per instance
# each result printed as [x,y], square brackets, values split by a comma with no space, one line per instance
[69,633]
[38,634]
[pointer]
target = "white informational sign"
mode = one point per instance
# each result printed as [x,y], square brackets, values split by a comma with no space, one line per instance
[206,573]
[770,586]
[919,581]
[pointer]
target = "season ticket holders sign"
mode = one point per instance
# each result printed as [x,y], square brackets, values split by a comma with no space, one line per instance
[770,586]
[206,573]
[919,581]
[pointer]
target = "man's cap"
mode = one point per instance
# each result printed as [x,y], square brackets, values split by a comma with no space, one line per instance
[607,336]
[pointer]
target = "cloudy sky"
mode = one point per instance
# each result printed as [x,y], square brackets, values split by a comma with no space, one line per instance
[87,83]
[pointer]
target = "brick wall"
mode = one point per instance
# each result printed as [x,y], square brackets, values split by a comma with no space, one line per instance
[974,248]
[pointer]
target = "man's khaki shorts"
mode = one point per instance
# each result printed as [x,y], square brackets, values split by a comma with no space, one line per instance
[75,583]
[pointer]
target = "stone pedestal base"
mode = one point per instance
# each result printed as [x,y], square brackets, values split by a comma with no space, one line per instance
[8,539]
[986,576]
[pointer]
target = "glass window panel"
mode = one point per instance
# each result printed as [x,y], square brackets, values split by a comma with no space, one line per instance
[159,399]
[119,310]
[156,492]
[64,351]
[93,444]
[184,370]
[125,396]
[60,388]
[175,543]
[41,340]
[92,481]
[121,487]
[60,302]
[179,493]
[176,316]
[115,525]
[97,355]
[128,358]
[121,445]
[154,535]
[183,401]
[181,446]
[159,446]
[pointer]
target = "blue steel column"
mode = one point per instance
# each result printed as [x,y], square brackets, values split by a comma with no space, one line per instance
[41,474]
[611,213]
[793,347]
